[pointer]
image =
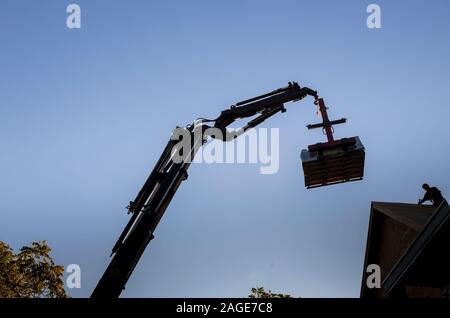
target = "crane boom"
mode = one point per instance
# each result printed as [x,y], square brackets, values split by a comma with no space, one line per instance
[158,190]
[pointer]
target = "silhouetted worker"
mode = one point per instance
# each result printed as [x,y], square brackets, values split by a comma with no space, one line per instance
[432,194]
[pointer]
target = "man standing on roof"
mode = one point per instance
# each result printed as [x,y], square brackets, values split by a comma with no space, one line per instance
[432,194]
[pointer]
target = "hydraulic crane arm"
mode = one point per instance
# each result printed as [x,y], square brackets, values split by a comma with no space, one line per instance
[147,210]
[152,200]
[266,105]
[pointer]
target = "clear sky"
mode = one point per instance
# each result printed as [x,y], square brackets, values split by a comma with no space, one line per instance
[85,113]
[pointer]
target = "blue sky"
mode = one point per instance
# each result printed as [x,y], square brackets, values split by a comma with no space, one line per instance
[84,115]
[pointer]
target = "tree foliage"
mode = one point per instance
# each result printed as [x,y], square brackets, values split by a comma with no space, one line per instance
[259,292]
[31,273]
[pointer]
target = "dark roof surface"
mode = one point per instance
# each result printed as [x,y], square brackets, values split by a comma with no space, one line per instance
[412,215]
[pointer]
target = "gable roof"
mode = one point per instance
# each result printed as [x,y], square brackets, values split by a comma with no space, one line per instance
[411,216]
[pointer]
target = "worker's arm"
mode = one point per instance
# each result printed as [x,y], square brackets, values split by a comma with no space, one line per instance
[426,197]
